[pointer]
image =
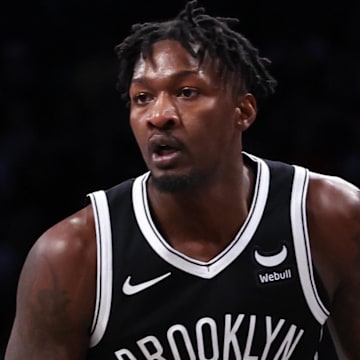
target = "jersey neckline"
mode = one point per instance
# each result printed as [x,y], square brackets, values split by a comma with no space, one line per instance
[213,267]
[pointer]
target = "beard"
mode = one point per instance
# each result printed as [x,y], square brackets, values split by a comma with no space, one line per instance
[175,183]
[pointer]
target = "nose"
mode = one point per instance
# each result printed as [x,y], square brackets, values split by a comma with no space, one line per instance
[163,113]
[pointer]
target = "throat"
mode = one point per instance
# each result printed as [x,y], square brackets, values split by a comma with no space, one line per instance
[201,239]
[201,250]
[201,224]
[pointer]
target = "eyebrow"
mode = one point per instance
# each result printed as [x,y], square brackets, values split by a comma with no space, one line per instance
[176,76]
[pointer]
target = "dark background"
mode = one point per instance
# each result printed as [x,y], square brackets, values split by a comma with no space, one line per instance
[64,130]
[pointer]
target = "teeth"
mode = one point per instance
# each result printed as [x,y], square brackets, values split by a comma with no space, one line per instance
[163,149]
[163,146]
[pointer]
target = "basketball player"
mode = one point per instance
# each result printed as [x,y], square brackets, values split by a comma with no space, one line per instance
[212,254]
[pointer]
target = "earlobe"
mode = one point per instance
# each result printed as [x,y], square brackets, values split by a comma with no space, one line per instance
[246,111]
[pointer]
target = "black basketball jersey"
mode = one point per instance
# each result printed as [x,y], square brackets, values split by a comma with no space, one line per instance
[256,300]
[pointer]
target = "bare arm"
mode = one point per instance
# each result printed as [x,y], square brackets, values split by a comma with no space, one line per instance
[56,293]
[334,224]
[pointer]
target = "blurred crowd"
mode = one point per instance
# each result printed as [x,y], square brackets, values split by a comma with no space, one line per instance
[64,130]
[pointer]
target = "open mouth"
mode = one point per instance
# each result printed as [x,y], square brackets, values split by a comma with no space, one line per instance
[161,144]
[164,149]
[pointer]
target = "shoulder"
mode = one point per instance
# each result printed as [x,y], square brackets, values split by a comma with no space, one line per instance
[63,261]
[333,212]
[73,238]
[56,291]
[333,199]
[324,186]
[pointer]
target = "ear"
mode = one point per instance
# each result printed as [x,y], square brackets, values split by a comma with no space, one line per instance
[245,112]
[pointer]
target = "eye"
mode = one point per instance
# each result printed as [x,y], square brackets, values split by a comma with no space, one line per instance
[188,93]
[141,98]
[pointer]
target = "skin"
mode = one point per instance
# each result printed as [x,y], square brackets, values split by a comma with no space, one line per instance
[172,97]
[175,102]
[54,315]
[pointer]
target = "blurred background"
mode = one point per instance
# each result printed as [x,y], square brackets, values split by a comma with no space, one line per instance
[64,130]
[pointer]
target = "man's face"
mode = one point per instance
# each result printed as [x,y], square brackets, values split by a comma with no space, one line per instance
[183,118]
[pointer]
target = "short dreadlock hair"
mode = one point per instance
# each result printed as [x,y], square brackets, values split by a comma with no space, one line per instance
[212,35]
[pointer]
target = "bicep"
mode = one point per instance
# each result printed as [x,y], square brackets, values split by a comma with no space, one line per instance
[346,311]
[333,209]
[346,301]
[54,304]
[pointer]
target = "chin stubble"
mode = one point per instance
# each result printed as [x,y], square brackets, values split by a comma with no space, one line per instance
[174,184]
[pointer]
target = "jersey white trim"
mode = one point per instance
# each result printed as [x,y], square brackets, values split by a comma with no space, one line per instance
[302,244]
[104,266]
[210,269]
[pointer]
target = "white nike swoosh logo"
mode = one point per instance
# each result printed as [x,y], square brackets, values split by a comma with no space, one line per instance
[129,289]
[271,260]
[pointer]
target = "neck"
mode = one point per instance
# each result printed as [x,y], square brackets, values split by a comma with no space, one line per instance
[207,217]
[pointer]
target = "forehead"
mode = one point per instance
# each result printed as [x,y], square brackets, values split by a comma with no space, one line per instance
[169,57]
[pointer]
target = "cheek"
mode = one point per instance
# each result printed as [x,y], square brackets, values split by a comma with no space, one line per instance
[214,123]
[207,138]
[133,123]
[137,128]
[136,118]
[218,134]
